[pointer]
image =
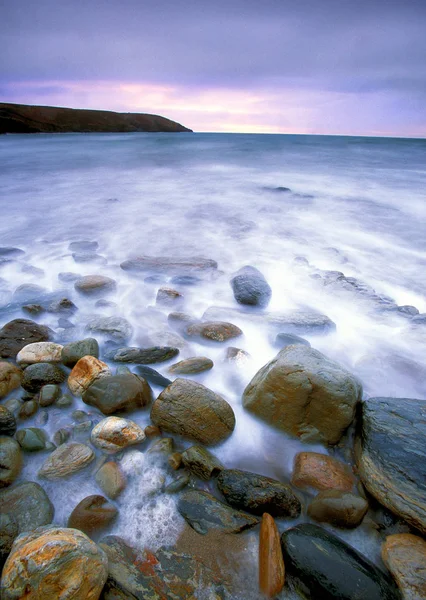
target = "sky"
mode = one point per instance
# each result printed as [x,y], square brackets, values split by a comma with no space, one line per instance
[264,66]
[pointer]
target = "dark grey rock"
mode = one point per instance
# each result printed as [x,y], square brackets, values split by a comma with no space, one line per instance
[40,374]
[19,333]
[8,532]
[145,355]
[49,394]
[153,376]
[201,462]
[250,287]
[71,353]
[10,252]
[7,422]
[10,460]
[118,393]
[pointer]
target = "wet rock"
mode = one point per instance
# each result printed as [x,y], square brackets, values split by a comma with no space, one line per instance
[10,252]
[64,401]
[68,277]
[114,434]
[168,297]
[118,393]
[175,460]
[165,575]
[33,309]
[63,305]
[8,532]
[85,257]
[10,460]
[83,246]
[10,378]
[419,319]
[180,320]
[216,331]
[85,372]
[237,356]
[192,410]
[323,566]
[144,355]
[31,439]
[7,422]
[13,405]
[49,394]
[185,280]
[404,555]
[391,455]
[203,512]
[71,353]
[305,394]
[287,339]
[61,436]
[39,352]
[321,472]
[91,514]
[250,287]
[192,366]
[93,285]
[111,479]
[341,509]
[177,484]
[29,504]
[27,292]
[117,328]
[152,431]
[201,462]
[153,376]
[53,562]
[169,265]
[40,374]
[258,494]
[271,563]
[28,409]
[164,447]
[66,460]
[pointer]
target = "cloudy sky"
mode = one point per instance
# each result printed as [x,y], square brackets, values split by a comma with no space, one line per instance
[298,66]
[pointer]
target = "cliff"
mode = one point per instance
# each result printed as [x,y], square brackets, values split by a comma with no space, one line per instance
[23,118]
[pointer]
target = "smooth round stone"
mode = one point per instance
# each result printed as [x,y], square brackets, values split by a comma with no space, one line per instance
[271,563]
[10,460]
[66,460]
[86,371]
[8,532]
[321,472]
[114,434]
[250,287]
[94,284]
[145,355]
[118,393]
[7,422]
[152,431]
[28,409]
[288,339]
[404,555]
[13,405]
[91,514]
[191,366]
[10,378]
[40,374]
[39,352]
[324,567]
[53,562]
[201,462]
[64,401]
[29,504]
[68,276]
[31,439]
[216,331]
[111,479]
[48,394]
[341,509]
[61,436]
[83,246]
[19,333]
[71,353]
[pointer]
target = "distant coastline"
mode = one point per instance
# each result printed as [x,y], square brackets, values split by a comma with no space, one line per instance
[24,118]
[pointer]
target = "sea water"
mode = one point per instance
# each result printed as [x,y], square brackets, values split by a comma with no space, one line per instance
[299,208]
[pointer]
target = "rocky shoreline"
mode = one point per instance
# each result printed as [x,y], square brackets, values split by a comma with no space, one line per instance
[76,402]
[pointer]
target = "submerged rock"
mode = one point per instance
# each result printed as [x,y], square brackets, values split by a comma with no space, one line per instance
[29,504]
[271,563]
[216,331]
[10,378]
[288,339]
[190,409]
[341,509]
[66,460]
[323,566]
[54,562]
[305,394]
[404,555]
[258,494]
[321,472]
[40,374]
[117,328]
[250,287]
[19,333]
[118,393]
[145,356]
[153,376]
[168,297]
[203,512]
[91,514]
[94,284]
[169,265]
[192,366]
[391,455]
[114,434]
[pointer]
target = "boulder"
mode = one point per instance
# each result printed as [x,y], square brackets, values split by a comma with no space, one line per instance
[190,409]
[258,494]
[216,331]
[10,460]
[391,456]
[271,563]
[118,393]
[321,472]
[10,378]
[145,356]
[54,562]
[85,372]
[192,366]
[404,555]
[250,287]
[114,434]
[19,333]
[66,460]
[204,512]
[29,504]
[71,353]
[40,374]
[116,328]
[341,509]
[323,566]
[169,265]
[39,352]
[201,462]
[111,479]
[94,284]
[305,394]
[7,422]
[91,514]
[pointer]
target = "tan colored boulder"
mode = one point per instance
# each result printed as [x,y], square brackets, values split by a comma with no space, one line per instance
[94,284]
[114,434]
[54,562]
[321,472]
[271,562]
[66,460]
[404,555]
[45,352]
[216,331]
[10,378]
[85,372]
[111,479]
[305,394]
[341,509]
[191,366]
